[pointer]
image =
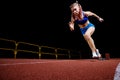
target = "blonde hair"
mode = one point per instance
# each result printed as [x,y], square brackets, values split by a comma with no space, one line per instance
[80,9]
[75,3]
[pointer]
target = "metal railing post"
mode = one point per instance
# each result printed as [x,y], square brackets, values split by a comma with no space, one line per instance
[15,51]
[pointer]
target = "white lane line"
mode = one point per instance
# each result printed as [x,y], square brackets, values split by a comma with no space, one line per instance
[117,73]
[29,63]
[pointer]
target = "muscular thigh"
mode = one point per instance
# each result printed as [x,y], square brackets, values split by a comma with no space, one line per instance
[90,30]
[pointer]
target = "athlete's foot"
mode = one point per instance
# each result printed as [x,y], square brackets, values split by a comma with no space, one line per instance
[98,53]
[94,55]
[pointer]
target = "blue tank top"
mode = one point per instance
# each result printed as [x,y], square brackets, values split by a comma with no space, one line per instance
[84,20]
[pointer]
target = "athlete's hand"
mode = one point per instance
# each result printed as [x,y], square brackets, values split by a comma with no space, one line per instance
[101,19]
[71,25]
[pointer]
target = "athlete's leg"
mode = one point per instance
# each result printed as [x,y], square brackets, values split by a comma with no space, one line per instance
[90,41]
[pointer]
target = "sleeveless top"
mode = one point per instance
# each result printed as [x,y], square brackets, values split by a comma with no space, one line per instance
[84,20]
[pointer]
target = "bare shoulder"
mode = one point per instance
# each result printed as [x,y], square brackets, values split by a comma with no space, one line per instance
[88,13]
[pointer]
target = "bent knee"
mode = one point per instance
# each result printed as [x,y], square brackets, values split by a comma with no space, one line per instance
[87,36]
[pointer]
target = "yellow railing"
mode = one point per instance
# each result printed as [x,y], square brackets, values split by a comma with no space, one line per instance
[33,48]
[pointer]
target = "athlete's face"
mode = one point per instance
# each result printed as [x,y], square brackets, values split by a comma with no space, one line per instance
[75,9]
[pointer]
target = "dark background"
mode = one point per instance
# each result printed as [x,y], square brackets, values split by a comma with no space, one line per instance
[42,23]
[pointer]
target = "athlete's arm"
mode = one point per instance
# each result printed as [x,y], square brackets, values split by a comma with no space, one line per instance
[89,13]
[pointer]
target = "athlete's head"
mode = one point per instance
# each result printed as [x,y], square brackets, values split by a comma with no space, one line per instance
[76,8]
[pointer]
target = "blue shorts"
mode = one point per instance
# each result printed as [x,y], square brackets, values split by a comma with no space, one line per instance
[83,30]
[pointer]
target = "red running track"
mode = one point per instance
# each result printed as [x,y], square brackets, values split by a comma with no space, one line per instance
[51,69]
